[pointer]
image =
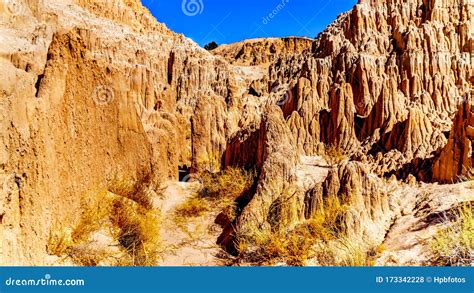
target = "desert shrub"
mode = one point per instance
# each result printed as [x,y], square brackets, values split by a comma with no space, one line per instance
[334,155]
[294,247]
[327,223]
[129,220]
[84,255]
[345,251]
[228,208]
[137,231]
[137,190]
[261,246]
[352,253]
[59,240]
[453,245]
[229,183]
[219,190]
[94,216]
[468,174]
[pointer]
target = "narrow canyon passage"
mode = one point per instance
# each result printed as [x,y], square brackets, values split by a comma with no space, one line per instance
[101,103]
[191,242]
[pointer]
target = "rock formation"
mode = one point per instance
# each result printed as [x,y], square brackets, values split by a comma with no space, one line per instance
[94,90]
[457,157]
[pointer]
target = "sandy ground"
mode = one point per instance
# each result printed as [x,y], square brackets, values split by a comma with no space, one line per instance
[192,243]
[421,212]
[311,170]
[424,210]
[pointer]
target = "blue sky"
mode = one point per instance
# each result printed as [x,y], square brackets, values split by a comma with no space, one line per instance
[228,21]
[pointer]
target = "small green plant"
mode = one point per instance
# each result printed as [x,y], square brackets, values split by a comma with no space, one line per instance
[453,245]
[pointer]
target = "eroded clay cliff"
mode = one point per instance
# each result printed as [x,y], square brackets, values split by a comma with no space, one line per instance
[96,90]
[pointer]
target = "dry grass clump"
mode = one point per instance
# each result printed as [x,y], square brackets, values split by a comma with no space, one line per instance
[94,216]
[468,175]
[127,220]
[453,245]
[334,155]
[229,183]
[321,238]
[222,189]
[327,223]
[85,255]
[136,190]
[137,231]
[192,208]
[59,241]
[219,190]
[265,247]
[294,247]
[94,212]
[347,252]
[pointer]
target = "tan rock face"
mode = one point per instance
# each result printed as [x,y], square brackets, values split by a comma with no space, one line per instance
[385,69]
[457,157]
[261,51]
[91,91]
[370,211]
[263,150]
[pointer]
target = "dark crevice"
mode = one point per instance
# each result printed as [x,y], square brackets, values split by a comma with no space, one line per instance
[170,67]
[253,92]
[38,84]
[390,140]
[228,238]
[184,173]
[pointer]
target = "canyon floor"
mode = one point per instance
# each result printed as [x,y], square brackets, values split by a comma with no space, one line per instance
[191,242]
[425,209]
